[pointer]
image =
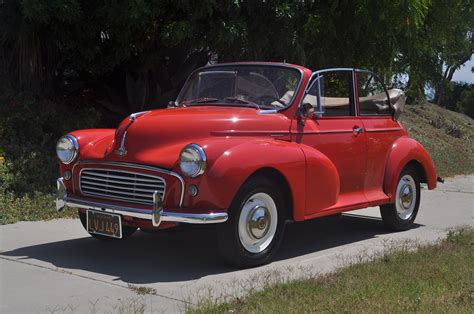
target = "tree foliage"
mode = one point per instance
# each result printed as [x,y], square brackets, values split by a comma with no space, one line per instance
[131,55]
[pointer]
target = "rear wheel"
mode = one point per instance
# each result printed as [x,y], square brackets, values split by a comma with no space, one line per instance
[127,231]
[402,213]
[256,224]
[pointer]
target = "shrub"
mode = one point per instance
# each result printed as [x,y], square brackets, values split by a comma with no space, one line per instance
[466,103]
[29,128]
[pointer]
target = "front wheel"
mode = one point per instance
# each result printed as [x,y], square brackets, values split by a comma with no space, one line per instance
[127,231]
[402,213]
[256,224]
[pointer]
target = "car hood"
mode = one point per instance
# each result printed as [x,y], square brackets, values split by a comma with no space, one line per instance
[157,137]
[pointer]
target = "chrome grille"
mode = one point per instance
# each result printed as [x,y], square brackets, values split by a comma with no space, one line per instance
[119,185]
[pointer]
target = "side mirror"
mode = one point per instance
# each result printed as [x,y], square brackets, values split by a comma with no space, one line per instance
[307,110]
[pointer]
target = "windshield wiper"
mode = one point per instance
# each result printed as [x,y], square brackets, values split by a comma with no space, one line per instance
[199,101]
[242,101]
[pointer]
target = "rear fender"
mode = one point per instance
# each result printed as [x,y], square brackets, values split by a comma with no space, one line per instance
[404,151]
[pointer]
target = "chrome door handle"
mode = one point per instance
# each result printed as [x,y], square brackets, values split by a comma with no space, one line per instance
[357,130]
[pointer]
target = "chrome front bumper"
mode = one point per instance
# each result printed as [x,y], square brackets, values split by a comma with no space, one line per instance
[157,215]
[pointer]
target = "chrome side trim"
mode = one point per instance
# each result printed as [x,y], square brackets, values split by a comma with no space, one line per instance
[208,218]
[138,166]
[211,218]
[383,130]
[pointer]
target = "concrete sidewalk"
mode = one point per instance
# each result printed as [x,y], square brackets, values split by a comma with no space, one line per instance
[56,267]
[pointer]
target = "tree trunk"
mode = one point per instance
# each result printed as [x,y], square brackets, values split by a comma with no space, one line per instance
[441,90]
[440,93]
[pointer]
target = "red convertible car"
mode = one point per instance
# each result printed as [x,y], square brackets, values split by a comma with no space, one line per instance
[249,147]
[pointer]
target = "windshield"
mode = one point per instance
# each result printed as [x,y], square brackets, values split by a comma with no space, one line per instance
[258,86]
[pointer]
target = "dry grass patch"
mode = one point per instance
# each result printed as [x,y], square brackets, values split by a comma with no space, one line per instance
[447,135]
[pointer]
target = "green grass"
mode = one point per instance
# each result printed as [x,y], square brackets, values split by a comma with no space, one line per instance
[39,206]
[433,278]
[28,207]
[447,135]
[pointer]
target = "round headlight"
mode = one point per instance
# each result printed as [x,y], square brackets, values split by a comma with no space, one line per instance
[192,160]
[67,148]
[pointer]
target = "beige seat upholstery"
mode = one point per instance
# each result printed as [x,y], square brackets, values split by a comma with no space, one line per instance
[376,103]
[285,98]
[328,102]
[398,100]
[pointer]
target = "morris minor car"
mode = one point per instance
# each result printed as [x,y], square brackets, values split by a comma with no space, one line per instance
[249,147]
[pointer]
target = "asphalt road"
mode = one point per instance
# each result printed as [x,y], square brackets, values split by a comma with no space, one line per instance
[56,267]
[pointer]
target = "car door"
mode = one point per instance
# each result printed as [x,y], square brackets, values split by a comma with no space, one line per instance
[337,132]
[382,130]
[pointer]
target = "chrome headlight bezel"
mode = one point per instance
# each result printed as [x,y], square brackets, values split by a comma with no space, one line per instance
[192,155]
[74,148]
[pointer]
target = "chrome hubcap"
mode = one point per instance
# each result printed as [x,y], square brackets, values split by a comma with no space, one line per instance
[406,197]
[258,222]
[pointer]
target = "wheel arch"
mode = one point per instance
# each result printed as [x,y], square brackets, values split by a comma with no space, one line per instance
[278,177]
[418,167]
[408,152]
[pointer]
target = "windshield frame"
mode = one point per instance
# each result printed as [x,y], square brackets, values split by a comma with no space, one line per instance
[247,64]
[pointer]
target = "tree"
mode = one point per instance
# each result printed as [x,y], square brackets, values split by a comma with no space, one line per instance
[129,56]
[455,41]
[438,45]
[127,53]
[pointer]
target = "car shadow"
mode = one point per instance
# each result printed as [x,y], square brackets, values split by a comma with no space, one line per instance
[188,253]
[329,232]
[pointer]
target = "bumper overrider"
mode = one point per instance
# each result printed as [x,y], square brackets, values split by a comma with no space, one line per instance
[156,216]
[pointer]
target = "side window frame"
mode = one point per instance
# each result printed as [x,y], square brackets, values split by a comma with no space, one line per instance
[356,85]
[314,79]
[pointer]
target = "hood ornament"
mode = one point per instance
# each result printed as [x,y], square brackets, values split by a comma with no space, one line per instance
[122,151]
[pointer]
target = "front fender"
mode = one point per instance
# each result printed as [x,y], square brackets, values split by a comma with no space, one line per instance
[232,161]
[93,143]
[311,177]
[88,140]
[403,151]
